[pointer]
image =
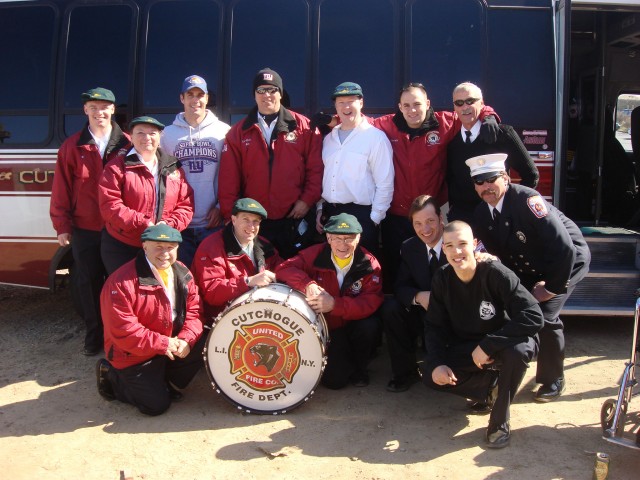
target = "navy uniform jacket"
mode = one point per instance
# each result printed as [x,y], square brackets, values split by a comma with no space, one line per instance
[413,273]
[535,240]
[497,312]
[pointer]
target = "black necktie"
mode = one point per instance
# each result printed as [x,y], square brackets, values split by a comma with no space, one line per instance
[496,215]
[433,261]
[468,134]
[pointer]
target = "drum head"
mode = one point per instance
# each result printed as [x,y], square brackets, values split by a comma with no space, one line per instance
[264,356]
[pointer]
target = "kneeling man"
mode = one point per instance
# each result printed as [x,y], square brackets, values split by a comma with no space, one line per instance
[341,280]
[152,327]
[480,331]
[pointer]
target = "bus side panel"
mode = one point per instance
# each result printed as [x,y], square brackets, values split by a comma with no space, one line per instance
[27,238]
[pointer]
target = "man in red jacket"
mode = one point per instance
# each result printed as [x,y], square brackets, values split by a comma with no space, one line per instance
[232,261]
[151,310]
[74,203]
[274,156]
[145,188]
[342,281]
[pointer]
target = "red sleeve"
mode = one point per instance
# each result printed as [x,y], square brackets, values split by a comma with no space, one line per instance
[62,191]
[295,272]
[128,334]
[230,175]
[487,110]
[217,281]
[112,208]
[192,328]
[182,212]
[314,168]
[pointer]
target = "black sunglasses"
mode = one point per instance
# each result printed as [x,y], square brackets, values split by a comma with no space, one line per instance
[488,180]
[269,90]
[468,101]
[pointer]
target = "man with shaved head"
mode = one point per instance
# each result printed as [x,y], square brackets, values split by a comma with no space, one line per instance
[484,343]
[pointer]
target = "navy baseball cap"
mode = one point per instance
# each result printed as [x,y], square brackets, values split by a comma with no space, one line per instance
[194,81]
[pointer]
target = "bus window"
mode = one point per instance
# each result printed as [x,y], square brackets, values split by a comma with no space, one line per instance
[532,104]
[446,46]
[184,38]
[357,45]
[624,106]
[99,51]
[268,34]
[27,39]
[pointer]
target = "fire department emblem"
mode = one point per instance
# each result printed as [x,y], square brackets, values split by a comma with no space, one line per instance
[433,138]
[537,206]
[263,356]
[290,137]
[487,310]
[356,287]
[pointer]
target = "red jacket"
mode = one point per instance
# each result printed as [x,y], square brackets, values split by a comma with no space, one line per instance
[128,197]
[137,314]
[361,293]
[420,163]
[219,267]
[74,194]
[290,170]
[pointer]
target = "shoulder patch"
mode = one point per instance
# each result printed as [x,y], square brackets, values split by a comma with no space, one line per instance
[537,206]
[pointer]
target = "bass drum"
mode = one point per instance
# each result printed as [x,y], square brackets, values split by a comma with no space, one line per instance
[266,352]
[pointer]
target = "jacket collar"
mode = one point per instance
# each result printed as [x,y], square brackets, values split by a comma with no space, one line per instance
[286,122]
[430,123]
[261,250]
[116,140]
[147,278]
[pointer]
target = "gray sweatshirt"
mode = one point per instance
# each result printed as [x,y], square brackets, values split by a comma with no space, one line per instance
[198,149]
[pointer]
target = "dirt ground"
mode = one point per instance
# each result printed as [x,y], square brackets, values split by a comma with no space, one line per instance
[54,425]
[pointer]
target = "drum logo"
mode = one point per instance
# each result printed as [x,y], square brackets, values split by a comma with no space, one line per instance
[263,356]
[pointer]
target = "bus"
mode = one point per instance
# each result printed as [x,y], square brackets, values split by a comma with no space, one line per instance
[563,73]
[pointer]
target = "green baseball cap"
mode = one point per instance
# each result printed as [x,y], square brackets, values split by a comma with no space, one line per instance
[343,224]
[98,93]
[145,119]
[161,233]
[347,89]
[249,205]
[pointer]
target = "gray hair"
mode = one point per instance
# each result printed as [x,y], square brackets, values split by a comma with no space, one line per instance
[469,87]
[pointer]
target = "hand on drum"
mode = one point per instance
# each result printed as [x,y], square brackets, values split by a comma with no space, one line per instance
[177,348]
[261,279]
[322,302]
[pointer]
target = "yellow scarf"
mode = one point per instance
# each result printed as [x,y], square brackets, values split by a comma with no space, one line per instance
[164,275]
[341,262]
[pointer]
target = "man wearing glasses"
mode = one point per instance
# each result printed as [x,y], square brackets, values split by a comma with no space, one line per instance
[545,249]
[274,157]
[468,104]
[342,281]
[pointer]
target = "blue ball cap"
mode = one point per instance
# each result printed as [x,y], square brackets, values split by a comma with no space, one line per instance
[347,89]
[194,81]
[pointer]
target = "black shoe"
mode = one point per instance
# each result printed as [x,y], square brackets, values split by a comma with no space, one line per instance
[105,389]
[550,392]
[402,383]
[359,379]
[174,394]
[484,407]
[91,351]
[498,436]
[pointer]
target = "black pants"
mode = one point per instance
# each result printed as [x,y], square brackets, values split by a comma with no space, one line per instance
[89,276]
[350,351]
[474,382]
[551,356]
[369,236]
[395,229]
[145,385]
[402,327]
[115,253]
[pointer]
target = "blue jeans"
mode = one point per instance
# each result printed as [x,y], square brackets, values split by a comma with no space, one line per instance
[191,238]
